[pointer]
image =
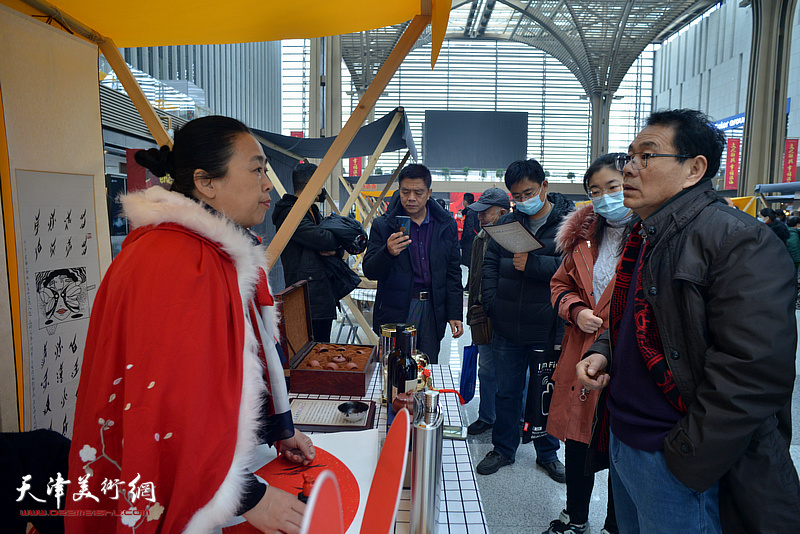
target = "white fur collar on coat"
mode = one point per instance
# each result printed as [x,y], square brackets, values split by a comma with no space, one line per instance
[155,206]
[576,227]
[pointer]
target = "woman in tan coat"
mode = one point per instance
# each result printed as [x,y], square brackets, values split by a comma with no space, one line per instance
[591,239]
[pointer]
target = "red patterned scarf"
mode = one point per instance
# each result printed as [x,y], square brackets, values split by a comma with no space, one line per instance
[647,335]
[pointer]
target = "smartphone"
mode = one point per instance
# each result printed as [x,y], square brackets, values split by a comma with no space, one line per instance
[403,224]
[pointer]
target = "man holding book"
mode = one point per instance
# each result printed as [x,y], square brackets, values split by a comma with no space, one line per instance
[515,293]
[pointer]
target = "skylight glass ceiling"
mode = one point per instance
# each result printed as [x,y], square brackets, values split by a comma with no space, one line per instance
[500,22]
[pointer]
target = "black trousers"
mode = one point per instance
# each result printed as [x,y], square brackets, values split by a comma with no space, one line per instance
[580,486]
[420,313]
[321,330]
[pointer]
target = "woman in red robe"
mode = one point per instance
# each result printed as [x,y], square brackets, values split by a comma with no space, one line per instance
[181,377]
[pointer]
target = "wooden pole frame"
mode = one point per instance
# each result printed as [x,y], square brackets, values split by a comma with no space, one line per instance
[276,182]
[359,259]
[371,335]
[143,106]
[363,204]
[373,160]
[377,205]
[332,205]
[351,192]
[404,45]
[12,418]
[328,163]
[342,141]
[277,148]
[368,202]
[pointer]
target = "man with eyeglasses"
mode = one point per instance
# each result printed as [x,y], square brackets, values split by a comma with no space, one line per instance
[418,273]
[695,414]
[515,292]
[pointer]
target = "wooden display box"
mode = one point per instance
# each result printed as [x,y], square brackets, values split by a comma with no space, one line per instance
[299,347]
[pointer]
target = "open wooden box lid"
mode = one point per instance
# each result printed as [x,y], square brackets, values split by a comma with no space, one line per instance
[294,323]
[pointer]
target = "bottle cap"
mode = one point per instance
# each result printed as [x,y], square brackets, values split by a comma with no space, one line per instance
[431,404]
[405,341]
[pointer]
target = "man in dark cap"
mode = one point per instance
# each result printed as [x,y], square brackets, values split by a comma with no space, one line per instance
[492,204]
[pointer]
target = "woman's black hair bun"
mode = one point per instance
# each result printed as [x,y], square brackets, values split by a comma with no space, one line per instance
[156,160]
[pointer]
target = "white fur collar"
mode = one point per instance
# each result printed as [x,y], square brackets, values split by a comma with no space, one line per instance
[156,205]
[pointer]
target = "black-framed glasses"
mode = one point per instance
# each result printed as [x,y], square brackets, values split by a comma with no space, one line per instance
[639,159]
[597,193]
[525,195]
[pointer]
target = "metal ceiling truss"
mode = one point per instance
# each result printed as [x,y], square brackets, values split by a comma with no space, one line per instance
[365,52]
[598,40]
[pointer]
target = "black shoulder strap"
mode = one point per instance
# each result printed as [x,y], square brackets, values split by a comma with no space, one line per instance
[551,336]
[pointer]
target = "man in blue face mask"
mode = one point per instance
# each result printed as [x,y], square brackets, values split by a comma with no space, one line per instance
[515,292]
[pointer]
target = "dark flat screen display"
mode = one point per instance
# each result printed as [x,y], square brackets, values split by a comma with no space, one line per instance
[475,139]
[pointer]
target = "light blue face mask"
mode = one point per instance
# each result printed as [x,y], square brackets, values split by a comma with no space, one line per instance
[611,206]
[531,206]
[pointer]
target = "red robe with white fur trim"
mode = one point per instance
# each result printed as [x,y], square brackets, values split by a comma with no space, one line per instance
[173,374]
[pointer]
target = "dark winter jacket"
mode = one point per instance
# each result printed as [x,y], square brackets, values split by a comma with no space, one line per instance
[482,241]
[780,229]
[396,278]
[722,290]
[302,261]
[519,303]
[472,226]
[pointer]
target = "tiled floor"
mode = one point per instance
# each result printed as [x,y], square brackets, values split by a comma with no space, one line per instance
[519,498]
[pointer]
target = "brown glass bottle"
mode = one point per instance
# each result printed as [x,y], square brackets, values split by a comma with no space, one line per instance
[390,361]
[404,372]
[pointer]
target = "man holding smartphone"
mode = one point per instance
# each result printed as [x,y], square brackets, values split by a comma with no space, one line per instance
[414,255]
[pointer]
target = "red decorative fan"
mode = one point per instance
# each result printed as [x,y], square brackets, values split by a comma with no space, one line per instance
[288,476]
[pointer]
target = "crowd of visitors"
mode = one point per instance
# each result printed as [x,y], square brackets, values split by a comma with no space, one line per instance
[673,310]
[692,413]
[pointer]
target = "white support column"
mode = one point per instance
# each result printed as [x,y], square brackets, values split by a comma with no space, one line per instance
[601,108]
